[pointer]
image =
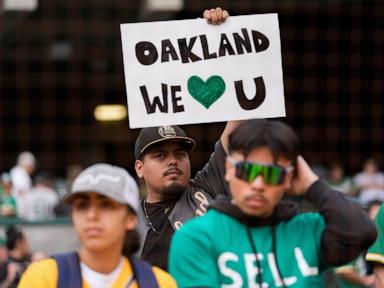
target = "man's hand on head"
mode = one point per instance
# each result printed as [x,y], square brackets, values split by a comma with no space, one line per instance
[303,178]
[215,16]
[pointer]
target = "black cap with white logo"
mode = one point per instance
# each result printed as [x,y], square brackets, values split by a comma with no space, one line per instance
[153,135]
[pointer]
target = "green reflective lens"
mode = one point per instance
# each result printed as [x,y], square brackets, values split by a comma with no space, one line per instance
[248,171]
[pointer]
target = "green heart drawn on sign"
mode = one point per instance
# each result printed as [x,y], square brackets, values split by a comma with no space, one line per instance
[206,93]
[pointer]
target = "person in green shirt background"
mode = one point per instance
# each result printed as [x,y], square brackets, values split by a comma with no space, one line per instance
[359,272]
[354,275]
[375,253]
[7,201]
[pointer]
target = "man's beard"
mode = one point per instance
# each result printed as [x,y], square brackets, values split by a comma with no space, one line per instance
[173,191]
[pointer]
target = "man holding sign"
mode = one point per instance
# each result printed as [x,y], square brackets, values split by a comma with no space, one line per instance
[162,161]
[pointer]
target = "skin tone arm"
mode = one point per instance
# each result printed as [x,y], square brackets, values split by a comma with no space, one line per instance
[353,277]
[379,274]
[231,126]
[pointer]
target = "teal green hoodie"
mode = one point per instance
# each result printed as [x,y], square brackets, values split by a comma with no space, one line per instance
[219,249]
[231,261]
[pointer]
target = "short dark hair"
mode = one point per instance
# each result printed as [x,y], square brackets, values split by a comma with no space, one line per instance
[14,234]
[273,134]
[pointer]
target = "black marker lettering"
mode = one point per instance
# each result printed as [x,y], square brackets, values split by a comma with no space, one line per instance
[204,45]
[260,41]
[257,100]
[167,50]
[151,107]
[242,42]
[146,53]
[225,46]
[176,107]
[186,50]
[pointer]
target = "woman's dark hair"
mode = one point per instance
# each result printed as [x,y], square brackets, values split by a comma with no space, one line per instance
[14,235]
[273,134]
[131,243]
[132,239]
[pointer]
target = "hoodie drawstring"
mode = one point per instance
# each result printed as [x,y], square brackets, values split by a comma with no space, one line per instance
[275,255]
[259,276]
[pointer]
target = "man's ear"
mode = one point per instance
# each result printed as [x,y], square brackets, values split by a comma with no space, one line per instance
[289,178]
[139,168]
[228,168]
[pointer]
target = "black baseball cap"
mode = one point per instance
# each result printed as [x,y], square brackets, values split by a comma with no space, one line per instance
[153,135]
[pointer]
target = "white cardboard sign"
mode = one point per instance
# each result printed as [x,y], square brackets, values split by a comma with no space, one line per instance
[184,72]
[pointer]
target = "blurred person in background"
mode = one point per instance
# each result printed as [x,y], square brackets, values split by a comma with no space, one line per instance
[374,208]
[19,257]
[358,273]
[72,172]
[21,178]
[375,253]
[21,173]
[7,201]
[338,180]
[3,250]
[354,275]
[3,261]
[63,186]
[40,201]
[369,182]
[105,201]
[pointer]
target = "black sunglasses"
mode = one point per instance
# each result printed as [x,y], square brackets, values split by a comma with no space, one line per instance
[248,171]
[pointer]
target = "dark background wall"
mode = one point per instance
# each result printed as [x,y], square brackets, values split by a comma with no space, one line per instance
[58,62]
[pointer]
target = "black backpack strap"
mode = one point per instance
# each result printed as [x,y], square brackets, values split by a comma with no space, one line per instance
[69,274]
[143,273]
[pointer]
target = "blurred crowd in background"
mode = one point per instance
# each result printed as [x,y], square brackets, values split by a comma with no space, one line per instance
[33,194]
[30,194]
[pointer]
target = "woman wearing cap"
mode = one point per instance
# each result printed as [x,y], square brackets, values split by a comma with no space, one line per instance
[104,200]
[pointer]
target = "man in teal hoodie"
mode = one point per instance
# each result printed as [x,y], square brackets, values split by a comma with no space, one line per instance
[254,239]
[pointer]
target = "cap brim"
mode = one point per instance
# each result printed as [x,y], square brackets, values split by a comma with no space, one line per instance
[69,197]
[189,143]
